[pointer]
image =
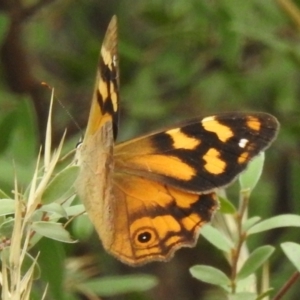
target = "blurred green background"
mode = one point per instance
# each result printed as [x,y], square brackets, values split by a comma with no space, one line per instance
[178,59]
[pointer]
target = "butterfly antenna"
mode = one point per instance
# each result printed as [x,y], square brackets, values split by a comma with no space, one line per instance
[65,109]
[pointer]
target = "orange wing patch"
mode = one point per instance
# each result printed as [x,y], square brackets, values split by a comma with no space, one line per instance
[183,141]
[254,123]
[213,125]
[213,162]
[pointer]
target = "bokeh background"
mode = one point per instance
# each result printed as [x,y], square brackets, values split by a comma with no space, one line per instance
[178,59]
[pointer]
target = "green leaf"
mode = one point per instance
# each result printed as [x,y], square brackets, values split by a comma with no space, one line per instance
[52,230]
[265,294]
[276,222]
[218,239]
[250,177]
[54,268]
[3,195]
[226,207]
[74,210]
[60,185]
[255,260]
[292,251]
[82,227]
[210,275]
[54,208]
[7,207]
[110,286]
[242,296]
[250,222]
[6,228]
[26,263]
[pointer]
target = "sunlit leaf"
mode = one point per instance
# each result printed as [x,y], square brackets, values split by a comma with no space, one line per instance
[52,230]
[54,208]
[210,275]
[275,222]
[75,210]
[7,206]
[250,222]
[292,251]
[255,260]
[218,239]
[250,177]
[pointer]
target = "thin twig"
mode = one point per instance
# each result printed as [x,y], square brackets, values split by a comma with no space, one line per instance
[292,10]
[241,238]
[287,286]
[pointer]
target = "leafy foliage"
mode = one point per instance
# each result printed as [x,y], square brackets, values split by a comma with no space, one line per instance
[179,59]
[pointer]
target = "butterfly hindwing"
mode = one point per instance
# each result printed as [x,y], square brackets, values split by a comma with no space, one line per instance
[153,220]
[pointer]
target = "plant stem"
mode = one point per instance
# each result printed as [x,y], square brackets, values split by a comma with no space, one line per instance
[241,237]
[287,286]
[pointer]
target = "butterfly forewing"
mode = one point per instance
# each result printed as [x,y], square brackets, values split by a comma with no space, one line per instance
[95,155]
[105,101]
[199,156]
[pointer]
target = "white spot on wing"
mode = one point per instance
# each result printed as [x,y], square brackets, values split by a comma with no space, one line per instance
[211,118]
[243,143]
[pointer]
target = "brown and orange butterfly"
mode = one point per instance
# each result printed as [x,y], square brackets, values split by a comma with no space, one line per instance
[149,196]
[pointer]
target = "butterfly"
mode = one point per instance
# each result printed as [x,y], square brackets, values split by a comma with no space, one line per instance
[149,196]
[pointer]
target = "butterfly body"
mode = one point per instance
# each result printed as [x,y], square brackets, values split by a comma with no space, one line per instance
[149,196]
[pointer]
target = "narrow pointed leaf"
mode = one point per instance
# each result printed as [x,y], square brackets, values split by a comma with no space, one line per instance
[250,177]
[250,222]
[255,260]
[265,294]
[52,230]
[216,238]
[28,262]
[54,208]
[276,222]
[75,210]
[60,185]
[7,207]
[6,228]
[226,207]
[3,195]
[292,251]
[210,275]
